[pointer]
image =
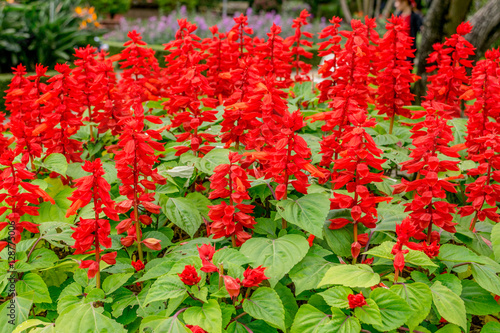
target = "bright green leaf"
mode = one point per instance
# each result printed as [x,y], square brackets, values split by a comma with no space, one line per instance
[266,304]
[354,276]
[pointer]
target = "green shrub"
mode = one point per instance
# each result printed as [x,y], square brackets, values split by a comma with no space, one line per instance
[40,32]
[111,7]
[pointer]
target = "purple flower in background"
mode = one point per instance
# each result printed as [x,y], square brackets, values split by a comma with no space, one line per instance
[161,29]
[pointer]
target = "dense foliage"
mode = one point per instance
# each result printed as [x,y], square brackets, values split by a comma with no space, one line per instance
[34,31]
[225,192]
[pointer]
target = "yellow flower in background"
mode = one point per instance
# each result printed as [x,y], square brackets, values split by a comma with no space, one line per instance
[10,1]
[88,15]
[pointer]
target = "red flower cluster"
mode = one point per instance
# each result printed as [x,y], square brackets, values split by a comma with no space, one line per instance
[62,108]
[206,253]
[352,170]
[18,195]
[395,70]
[451,57]
[405,231]
[229,220]
[189,275]
[134,163]
[93,232]
[138,265]
[482,191]
[430,137]
[139,80]
[346,91]
[185,85]
[252,278]
[356,301]
[301,68]
[485,90]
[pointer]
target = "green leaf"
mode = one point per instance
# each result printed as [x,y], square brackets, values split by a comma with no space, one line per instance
[450,328]
[208,316]
[354,276]
[449,305]
[478,301]
[369,313]
[86,318]
[339,240]
[184,214]
[337,296]
[289,303]
[34,282]
[486,278]
[386,139]
[115,281]
[393,309]
[343,323]
[491,327]
[159,324]
[56,162]
[278,255]
[311,320]
[266,304]
[308,212]
[416,258]
[29,324]
[419,297]
[165,287]
[307,274]
[15,311]
[451,254]
[495,241]
[212,159]
[450,281]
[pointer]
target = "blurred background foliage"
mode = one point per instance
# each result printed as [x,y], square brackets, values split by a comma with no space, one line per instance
[45,31]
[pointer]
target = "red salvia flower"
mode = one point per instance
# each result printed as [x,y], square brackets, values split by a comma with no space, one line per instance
[189,275]
[138,265]
[18,195]
[302,69]
[134,162]
[62,103]
[253,277]
[229,220]
[206,253]
[356,301]
[395,71]
[446,86]
[430,137]
[139,80]
[93,232]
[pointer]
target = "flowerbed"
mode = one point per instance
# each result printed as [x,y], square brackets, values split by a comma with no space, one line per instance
[226,193]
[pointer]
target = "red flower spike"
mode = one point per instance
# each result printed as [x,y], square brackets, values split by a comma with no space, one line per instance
[356,301]
[93,232]
[451,57]
[253,277]
[135,157]
[302,69]
[63,114]
[395,70]
[229,220]
[189,275]
[19,197]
